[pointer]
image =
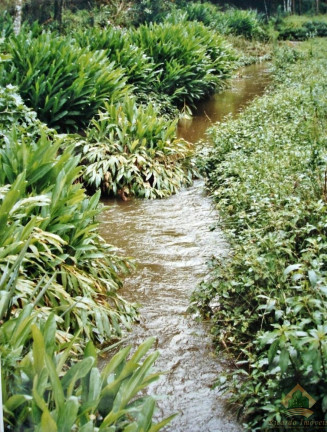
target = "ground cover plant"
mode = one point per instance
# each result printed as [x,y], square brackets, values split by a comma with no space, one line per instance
[267,302]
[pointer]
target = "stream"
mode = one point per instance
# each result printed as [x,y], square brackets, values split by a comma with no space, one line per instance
[171,242]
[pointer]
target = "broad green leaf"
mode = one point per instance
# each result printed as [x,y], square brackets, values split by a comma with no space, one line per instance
[47,423]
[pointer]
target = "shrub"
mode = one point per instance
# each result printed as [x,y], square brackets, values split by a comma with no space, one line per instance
[43,390]
[238,22]
[64,84]
[191,60]
[130,150]
[137,66]
[46,201]
[207,13]
[244,23]
[302,27]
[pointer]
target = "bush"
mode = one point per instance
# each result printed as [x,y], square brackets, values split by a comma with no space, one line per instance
[245,23]
[302,27]
[267,303]
[238,22]
[116,43]
[207,13]
[43,390]
[191,60]
[130,150]
[66,253]
[64,84]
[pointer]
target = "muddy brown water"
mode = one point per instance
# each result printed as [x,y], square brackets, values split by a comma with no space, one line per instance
[171,241]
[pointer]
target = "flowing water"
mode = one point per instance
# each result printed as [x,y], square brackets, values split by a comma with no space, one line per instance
[171,241]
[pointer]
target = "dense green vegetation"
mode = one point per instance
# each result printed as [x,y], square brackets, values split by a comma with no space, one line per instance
[59,280]
[130,151]
[296,27]
[42,200]
[68,79]
[267,301]
[86,103]
[58,287]
[66,85]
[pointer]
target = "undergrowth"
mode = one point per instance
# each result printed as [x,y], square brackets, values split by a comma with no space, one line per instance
[267,303]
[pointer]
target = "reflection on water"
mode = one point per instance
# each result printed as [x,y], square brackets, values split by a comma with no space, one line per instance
[171,242]
[251,82]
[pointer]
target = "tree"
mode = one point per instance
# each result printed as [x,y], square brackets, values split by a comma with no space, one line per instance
[18,16]
[57,11]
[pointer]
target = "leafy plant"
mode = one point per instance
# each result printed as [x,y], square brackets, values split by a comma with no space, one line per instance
[191,60]
[130,150]
[64,84]
[58,290]
[6,25]
[116,43]
[41,393]
[296,27]
[267,173]
[244,23]
[46,201]
[207,13]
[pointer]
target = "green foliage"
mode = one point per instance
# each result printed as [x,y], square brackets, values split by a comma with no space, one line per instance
[58,289]
[6,25]
[244,23]
[116,43]
[207,13]
[41,393]
[237,22]
[113,12]
[45,201]
[64,84]
[191,60]
[296,27]
[131,150]
[267,172]
[146,11]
